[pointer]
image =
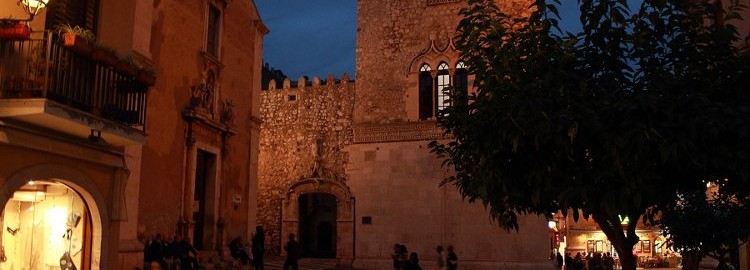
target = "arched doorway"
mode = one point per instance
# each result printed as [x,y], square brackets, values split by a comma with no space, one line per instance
[317,230]
[46,225]
[321,212]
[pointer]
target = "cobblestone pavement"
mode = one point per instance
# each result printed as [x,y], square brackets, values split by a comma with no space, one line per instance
[275,262]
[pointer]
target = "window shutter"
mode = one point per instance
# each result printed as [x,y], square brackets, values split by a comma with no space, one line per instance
[425,95]
[81,13]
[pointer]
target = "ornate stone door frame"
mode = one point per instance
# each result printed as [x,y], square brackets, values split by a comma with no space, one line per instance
[344,214]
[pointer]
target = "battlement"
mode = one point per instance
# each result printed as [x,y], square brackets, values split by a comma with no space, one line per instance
[316,82]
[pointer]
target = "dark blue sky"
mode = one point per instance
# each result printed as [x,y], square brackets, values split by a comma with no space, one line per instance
[312,38]
[315,38]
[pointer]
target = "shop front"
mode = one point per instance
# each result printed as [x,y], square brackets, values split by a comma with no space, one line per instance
[47,226]
[62,203]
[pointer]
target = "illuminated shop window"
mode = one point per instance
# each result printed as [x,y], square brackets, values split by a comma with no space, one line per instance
[46,224]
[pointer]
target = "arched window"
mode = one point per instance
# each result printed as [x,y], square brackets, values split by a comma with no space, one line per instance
[425,92]
[461,78]
[443,81]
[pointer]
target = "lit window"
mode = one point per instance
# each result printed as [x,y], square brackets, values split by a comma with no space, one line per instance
[443,81]
[425,92]
[213,30]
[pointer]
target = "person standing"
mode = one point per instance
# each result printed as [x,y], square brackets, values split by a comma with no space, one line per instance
[559,260]
[396,256]
[413,262]
[188,255]
[258,247]
[157,251]
[451,260]
[568,261]
[440,258]
[293,253]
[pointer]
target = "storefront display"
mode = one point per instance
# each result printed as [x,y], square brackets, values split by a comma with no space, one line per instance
[45,227]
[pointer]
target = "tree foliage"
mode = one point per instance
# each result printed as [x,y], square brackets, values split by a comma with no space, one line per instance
[714,225]
[613,121]
[269,73]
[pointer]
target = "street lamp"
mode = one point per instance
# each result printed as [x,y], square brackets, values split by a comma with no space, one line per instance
[32,7]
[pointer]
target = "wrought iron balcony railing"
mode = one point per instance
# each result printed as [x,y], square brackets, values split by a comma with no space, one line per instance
[41,67]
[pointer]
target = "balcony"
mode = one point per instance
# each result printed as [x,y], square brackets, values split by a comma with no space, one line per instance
[45,84]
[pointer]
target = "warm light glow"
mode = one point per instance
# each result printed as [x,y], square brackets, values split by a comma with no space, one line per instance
[624,221]
[552,225]
[29,196]
[33,6]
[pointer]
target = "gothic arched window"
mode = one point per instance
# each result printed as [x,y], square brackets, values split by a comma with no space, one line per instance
[461,78]
[425,92]
[443,81]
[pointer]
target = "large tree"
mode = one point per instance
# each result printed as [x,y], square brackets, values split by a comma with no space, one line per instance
[712,224]
[613,121]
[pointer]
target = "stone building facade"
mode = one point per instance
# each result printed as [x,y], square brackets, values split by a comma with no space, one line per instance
[199,165]
[346,166]
[96,160]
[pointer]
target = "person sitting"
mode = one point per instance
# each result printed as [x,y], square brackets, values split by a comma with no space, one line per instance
[238,251]
[187,255]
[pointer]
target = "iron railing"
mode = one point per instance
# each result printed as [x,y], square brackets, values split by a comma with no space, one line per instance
[42,67]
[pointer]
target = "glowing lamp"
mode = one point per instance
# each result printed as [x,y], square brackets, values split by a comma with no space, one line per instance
[32,7]
[552,225]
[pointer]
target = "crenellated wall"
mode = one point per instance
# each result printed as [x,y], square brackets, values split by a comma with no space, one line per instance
[312,121]
[368,148]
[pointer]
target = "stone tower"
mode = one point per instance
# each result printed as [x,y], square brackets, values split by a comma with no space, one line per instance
[346,166]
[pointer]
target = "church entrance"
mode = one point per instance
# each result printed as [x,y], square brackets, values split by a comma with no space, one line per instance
[205,170]
[46,225]
[317,231]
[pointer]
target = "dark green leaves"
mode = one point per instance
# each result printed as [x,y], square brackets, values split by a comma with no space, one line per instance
[614,120]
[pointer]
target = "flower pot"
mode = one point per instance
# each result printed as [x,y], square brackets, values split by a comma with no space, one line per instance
[104,57]
[18,31]
[76,44]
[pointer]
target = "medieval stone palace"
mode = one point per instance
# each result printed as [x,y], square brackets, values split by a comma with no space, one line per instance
[346,165]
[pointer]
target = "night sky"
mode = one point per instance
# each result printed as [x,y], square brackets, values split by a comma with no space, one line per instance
[315,38]
[312,38]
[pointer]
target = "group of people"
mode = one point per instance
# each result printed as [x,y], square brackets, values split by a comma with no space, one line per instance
[446,259]
[595,261]
[178,253]
[238,251]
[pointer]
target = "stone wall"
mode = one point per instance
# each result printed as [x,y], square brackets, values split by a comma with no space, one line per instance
[310,122]
[397,187]
[389,35]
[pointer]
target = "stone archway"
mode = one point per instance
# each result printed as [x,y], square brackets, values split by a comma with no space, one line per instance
[344,228]
[84,187]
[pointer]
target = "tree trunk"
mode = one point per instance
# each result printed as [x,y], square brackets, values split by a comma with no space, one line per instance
[690,260]
[622,241]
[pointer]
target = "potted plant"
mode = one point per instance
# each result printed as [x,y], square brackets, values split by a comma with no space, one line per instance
[104,55]
[76,38]
[128,66]
[12,30]
[147,75]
